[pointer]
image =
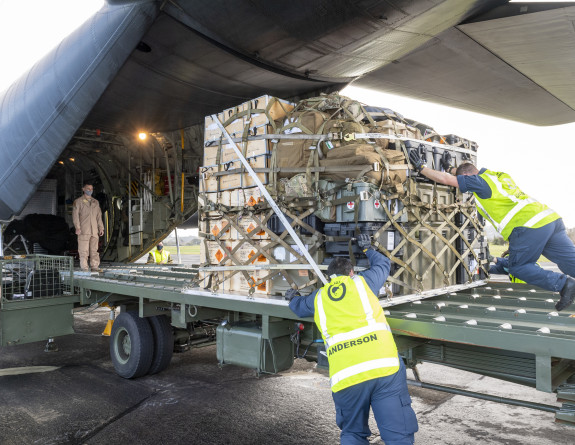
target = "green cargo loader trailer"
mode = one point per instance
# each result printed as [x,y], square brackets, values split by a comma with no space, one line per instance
[502,330]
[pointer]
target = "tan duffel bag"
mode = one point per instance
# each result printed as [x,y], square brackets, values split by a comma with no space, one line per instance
[391,164]
[296,152]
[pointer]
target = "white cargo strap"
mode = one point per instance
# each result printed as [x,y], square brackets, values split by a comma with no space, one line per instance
[271,202]
[354,136]
[372,325]
[363,367]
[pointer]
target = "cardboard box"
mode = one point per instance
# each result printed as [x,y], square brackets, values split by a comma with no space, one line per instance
[211,129]
[223,280]
[208,182]
[226,154]
[278,108]
[250,148]
[231,180]
[247,254]
[246,197]
[216,227]
[242,285]
[249,225]
[222,198]
[244,180]
[215,254]
[235,127]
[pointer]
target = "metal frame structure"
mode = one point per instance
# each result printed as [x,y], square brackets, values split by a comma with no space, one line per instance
[506,331]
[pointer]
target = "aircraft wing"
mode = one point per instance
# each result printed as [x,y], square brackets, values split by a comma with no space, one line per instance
[514,62]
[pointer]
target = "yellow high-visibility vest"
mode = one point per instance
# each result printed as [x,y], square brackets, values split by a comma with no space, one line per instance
[358,341]
[160,256]
[509,207]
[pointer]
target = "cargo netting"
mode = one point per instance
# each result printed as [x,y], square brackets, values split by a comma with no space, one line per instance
[336,169]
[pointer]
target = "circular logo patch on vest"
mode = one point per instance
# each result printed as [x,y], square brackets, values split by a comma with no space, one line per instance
[336,292]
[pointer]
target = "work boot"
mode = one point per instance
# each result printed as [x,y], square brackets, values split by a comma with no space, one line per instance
[567,294]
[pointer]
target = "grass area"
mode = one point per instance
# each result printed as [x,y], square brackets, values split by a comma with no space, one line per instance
[496,250]
[184,250]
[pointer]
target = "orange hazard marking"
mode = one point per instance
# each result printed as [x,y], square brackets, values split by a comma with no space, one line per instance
[252,201]
[251,227]
[215,230]
[303,273]
[219,255]
[262,287]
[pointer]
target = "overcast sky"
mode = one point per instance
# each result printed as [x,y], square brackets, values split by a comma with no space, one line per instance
[540,159]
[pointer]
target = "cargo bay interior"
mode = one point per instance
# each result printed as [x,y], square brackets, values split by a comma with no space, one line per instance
[129,172]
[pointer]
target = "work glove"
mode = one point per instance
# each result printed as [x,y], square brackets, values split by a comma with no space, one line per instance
[445,162]
[491,258]
[291,293]
[416,161]
[364,242]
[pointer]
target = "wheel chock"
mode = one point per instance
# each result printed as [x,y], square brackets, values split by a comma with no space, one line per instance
[108,328]
[51,346]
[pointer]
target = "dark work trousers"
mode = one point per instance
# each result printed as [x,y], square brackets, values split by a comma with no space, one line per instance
[391,405]
[527,245]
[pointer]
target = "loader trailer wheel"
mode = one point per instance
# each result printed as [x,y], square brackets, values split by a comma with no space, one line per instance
[163,343]
[131,345]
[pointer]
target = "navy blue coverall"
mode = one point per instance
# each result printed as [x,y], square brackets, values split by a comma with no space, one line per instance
[388,396]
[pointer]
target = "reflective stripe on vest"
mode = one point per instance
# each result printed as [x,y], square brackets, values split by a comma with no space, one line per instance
[509,210]
[359,344]
[363,367]
[160,257]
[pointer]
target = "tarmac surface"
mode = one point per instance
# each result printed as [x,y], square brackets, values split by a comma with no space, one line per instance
[73,396]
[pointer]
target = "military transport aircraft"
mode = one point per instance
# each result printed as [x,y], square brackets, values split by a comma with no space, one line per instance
[156,68]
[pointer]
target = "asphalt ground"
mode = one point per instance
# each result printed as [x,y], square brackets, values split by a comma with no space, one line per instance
[73,396]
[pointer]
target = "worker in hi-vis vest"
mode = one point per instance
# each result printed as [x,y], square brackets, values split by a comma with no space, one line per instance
[159,255]
[365,369]
[531,228]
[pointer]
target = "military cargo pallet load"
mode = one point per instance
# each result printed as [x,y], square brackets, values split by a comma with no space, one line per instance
[335,168]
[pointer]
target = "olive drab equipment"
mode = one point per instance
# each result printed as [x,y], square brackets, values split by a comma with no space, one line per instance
[508,207]
[358,341]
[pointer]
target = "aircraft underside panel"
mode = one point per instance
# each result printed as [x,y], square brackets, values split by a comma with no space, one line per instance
[506,67]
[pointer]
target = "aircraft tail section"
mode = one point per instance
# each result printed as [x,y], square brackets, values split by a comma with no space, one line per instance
[40,112]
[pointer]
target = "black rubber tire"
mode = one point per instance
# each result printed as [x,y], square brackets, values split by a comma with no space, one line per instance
[163,343]
[131,345]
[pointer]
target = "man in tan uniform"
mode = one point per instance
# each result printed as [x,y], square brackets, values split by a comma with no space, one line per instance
[87,218]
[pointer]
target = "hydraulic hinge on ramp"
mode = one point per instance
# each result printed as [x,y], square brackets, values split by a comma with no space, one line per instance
[566,395]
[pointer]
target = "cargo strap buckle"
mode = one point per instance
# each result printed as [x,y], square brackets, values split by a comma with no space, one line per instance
[349,137]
